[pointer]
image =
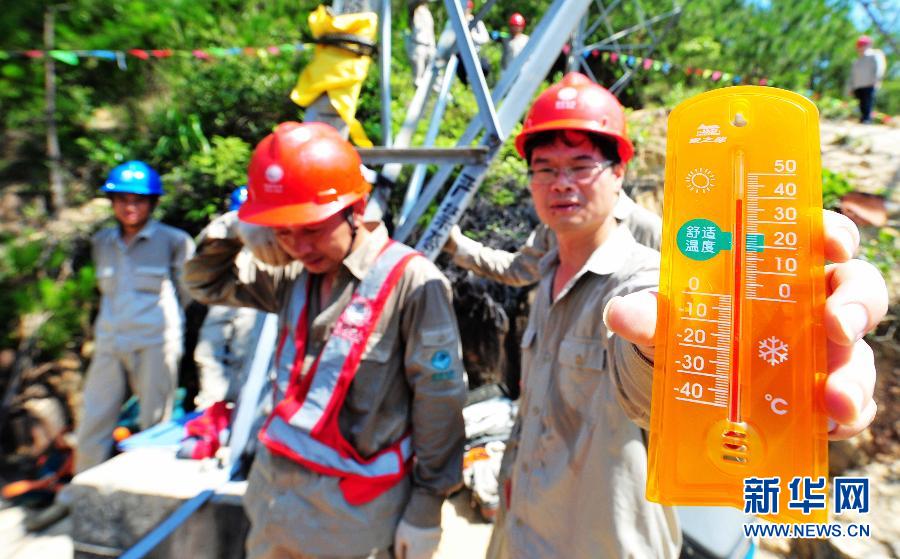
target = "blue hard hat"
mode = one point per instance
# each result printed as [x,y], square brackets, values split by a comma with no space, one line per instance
[133,177]
[238,197]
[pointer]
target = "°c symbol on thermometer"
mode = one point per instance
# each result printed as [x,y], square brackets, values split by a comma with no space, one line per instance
[778,405]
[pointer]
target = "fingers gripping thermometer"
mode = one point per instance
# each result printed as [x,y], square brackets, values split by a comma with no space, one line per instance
[740,345]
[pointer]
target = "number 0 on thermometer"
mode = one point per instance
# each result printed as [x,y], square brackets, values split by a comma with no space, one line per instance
[740,347]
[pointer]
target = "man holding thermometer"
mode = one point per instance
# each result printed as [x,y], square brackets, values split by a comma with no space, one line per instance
[576,466]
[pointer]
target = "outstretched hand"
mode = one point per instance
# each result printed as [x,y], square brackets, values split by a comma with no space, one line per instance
[856,300]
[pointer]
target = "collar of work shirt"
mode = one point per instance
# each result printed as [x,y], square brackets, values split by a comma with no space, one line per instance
[605,260]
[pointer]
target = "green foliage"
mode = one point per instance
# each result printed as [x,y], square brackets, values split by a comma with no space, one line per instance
[105,150]
[21,258]
[834,186]
[37,286]
[672,94]
[506,181]
[887,99]
[835,108]
[67,304]
[199,188]
[883,251]
[806,46]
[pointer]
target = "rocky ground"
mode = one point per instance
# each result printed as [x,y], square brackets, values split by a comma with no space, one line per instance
[868,155]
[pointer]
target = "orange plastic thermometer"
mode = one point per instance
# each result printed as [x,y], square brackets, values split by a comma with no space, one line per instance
[740,344]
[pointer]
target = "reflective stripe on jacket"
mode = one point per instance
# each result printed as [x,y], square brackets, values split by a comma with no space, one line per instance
[410,380]
[304,426]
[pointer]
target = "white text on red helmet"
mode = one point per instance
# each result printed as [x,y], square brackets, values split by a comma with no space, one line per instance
[566,98]
[274,174]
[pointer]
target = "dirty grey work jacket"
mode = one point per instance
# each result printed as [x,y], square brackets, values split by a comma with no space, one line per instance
[140,283]
[577,461]
[405,381]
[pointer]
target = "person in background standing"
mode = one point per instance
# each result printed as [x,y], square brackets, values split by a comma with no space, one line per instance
[138,334]
[517,40]
[866,75]
[420,45]
[480,37]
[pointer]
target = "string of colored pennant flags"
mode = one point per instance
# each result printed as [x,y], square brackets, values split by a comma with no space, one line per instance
[638,62]
[121,57]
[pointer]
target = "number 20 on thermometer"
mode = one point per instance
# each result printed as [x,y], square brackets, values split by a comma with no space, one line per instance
[740,351]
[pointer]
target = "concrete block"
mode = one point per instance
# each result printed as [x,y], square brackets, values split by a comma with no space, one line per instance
[118,502]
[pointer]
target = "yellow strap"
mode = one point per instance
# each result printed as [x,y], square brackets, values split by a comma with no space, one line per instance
[335,71]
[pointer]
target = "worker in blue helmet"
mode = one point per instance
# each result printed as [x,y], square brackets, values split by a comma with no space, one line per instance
[138,334]
[238,197]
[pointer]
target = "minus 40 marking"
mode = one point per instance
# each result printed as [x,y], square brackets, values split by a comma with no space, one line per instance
[691,389]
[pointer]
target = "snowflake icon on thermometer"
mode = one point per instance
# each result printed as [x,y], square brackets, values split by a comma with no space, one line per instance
[773,351]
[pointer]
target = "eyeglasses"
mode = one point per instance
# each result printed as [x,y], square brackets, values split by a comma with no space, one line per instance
[580,174]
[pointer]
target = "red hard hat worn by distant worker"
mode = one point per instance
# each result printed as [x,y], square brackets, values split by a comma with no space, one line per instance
[302,174]
[577,103]
[864,40]
[517,20]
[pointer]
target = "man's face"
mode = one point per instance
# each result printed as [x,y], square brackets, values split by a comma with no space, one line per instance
[321,247]
[516,29]
[584,191]
[131,210]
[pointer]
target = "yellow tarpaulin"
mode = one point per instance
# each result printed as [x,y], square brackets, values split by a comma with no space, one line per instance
[336,71]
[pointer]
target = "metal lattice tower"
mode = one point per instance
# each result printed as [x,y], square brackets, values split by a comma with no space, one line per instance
[585,25]
[639,37]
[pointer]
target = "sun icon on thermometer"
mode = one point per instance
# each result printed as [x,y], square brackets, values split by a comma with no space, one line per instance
[700,180]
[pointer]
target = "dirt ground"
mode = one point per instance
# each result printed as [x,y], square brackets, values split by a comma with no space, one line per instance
[465,535]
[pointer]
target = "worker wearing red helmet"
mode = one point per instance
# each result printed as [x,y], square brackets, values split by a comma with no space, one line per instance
[366,436]
[575,468]
[480,37]
[516,41]
[866,75]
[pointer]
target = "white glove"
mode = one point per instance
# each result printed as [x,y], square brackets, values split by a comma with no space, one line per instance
[262,243]
[412,542]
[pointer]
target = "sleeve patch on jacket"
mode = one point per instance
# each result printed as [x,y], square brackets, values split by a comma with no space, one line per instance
[441,360]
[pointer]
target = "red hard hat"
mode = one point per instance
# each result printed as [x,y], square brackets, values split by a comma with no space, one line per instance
[470,5]
[577,103]
[302,174]
[863,40]
[517,20]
